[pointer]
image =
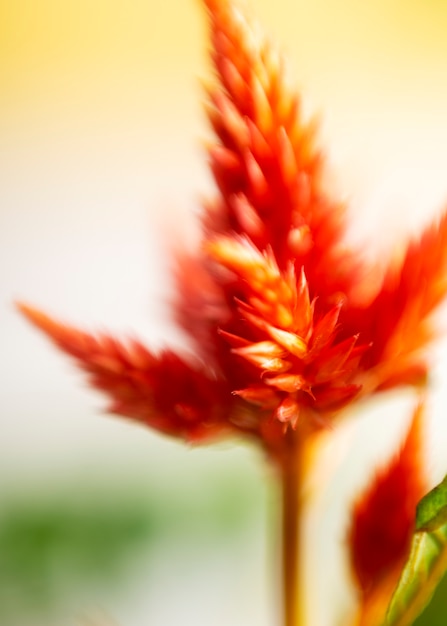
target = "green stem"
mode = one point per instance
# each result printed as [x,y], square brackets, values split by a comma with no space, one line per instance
[291,530]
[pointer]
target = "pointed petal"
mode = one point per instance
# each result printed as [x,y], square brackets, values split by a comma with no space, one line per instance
[334,398]
[163,392]
[291,342]
[260,396]
[332,362]
[325,328]
[290,383]
[266,349]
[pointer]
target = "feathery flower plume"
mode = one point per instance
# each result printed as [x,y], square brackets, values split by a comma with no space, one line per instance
[271,300]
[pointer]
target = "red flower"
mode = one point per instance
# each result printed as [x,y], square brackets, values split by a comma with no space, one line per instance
[286,323]
[383,522]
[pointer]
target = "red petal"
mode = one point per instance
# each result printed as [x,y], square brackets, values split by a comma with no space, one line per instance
[325,328]
[334,398]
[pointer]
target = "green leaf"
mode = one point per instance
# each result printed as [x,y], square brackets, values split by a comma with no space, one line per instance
[427,561]
[431,512]
[434,613]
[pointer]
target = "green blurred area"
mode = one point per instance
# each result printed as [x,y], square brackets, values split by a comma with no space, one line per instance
[435,613]
[58,544]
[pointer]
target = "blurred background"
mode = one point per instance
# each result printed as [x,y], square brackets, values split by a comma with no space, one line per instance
[102,171]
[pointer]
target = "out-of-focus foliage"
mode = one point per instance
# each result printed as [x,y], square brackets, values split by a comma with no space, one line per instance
[435,613]
[51,546]
[432,509]
[58,544]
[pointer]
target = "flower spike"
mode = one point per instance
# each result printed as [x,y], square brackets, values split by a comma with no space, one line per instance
[266,158]
[273,300]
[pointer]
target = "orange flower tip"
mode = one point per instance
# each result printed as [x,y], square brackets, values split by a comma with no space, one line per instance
[248,219]
[290,383]
[284,316]
[224,159]
[259,396]
[290,341]
[302,284]
[28,311]
[38,318]
[232,78]
[325,327]
[256,178]
[267,349]
[231,122]
[266,363]
[237,254]
[261,104]
[258,143]
[234,340]
[287,158]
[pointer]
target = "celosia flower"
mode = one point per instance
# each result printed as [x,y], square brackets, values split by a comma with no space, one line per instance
[286,325]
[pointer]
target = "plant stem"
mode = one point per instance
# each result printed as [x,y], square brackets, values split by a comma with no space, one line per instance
[292,464]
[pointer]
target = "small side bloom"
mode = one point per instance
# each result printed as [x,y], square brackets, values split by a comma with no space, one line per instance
[382,524]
